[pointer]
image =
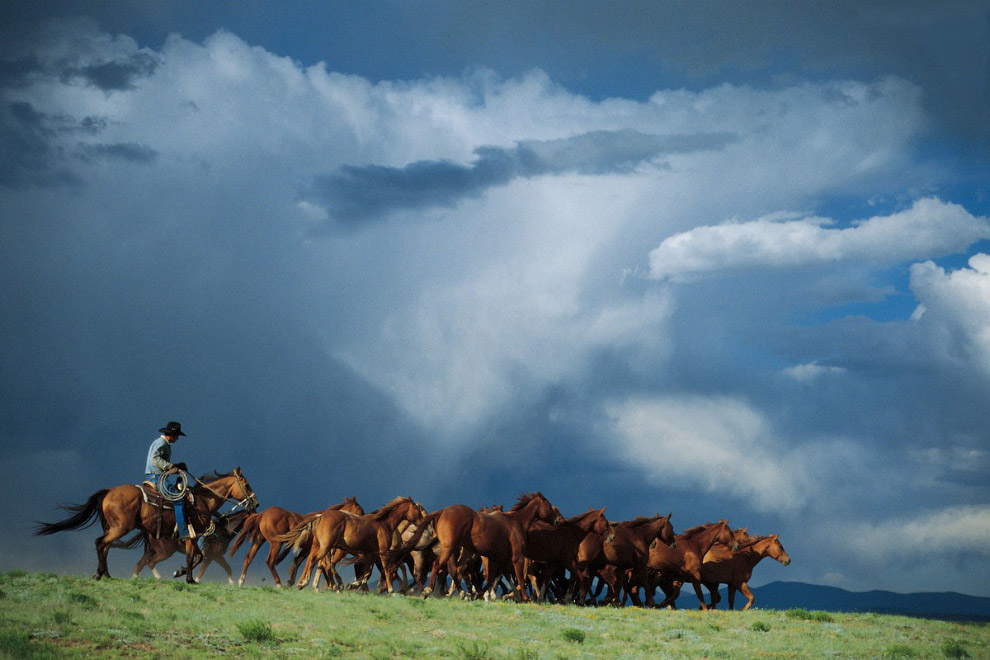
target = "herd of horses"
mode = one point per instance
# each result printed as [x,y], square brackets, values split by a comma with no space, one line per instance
[528,552]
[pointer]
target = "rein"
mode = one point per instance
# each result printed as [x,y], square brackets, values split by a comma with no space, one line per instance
[237,503]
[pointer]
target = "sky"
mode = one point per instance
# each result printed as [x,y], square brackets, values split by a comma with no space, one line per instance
[724,260]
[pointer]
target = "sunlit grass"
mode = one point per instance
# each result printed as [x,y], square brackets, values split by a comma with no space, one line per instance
[43,615]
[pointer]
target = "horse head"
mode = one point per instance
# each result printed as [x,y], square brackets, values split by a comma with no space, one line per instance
[242,492]
[601,525]
[350,505]
[413,511]
[540,506]
[666,533]
[553,515]
[724,534]
[776,550]
[740,538]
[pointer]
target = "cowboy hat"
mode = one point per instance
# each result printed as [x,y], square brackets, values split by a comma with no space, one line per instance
[172,428]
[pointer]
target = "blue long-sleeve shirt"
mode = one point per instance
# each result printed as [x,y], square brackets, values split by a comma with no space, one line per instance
[159,455]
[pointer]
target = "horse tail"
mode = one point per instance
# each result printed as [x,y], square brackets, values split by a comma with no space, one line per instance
[248,528]
[410,545]
[300,536]
[131,543]
[283,553]
[85,515]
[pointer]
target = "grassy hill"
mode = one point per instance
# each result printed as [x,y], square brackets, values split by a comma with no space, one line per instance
[50,616]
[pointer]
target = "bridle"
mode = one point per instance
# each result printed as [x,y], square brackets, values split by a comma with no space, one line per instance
[249,501]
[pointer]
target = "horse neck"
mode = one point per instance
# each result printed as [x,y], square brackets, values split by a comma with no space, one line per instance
[585,522]
[525,514]
[394,516]
[703,540]
[214,493]
[657,526]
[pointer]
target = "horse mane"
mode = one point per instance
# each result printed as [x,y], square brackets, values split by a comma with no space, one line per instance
[640,521]
[215,476]
[750,544]
[697,529]
[524,500]
[384,510]
[580,517]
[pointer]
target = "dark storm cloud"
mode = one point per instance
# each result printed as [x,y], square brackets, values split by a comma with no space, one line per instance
[132,153]
[115,75]
[361,193]
[16,72]
[31,155]
[27,156]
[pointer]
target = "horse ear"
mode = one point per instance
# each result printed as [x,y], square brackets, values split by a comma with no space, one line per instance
[744,530]
[603,510]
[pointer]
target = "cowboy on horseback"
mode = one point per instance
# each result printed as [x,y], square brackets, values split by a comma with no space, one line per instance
[158,463]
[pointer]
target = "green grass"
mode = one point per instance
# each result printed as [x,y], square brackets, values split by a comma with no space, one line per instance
[47,616]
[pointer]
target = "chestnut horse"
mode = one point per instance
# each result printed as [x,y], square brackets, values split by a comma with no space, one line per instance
[371,533]
[122,508]
[156,550]
[498,538]
[735,567]
[682,561]
[626,554]
[556,546]
[274,521]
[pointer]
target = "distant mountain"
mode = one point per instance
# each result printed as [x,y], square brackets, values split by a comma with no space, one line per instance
[799,595]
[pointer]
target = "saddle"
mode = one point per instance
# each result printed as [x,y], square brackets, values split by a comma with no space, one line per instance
[153,498]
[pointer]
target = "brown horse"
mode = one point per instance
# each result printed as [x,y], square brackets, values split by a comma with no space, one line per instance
[122,508]
[273,522]
[626,554]
[498,538]
[156,550]
[555,547]
[682,560]
[735,567]
[371,533]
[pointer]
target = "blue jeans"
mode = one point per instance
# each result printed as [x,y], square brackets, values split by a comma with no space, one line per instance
[180,508]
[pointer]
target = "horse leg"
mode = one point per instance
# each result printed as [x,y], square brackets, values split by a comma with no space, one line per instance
[157,556]
[294,567]
[696,583]
[193,557]
[443,559]
[385,566]
[519,564]
[744,589]
[307,569]
[329,568]
[252,551]
[715,597]
[103,547]
[273,548]
[224,565]
[207,560]
[143,561]
[432,582]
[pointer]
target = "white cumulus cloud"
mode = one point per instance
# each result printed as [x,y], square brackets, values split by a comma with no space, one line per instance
[953,531]
[718,444]
[930,227]
[955,307]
